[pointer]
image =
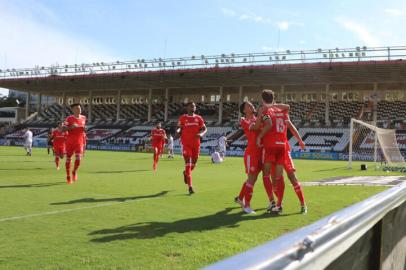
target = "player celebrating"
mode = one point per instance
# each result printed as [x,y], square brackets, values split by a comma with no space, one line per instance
[158,137]
[273,138]
[75,125]
[290,168]
[252,156]
[58,138]
[191,128]
[28,142]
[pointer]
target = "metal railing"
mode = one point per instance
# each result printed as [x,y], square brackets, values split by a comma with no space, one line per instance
[370,234]
[212,61]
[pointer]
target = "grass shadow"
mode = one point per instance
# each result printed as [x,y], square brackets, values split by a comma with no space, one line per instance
[39,185]
[148,230]
[117,199]
[129,171]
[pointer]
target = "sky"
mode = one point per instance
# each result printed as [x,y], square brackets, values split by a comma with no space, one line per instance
[46,32]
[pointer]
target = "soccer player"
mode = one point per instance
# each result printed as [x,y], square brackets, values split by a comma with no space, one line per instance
[290,168]
[158,137]
[191,128]
[252,157]
[273,138]
[49,141]
[28,142]
[222,144]
[216,157]
[169,146]
[75,140]
[58,138]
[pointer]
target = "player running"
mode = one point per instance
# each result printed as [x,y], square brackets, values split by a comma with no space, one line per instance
[191,129]
[252,156]
[158,137]
[273,138]
[58,138]
[290,168]
[28,142]
[75,125]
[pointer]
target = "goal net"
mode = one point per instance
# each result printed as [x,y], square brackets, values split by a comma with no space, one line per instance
[378,145]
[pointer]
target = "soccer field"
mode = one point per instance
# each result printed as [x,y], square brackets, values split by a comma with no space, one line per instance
[122,215]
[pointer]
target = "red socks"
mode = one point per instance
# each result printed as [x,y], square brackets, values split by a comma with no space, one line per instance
[280,184]
[188,172]
[77,164]
[299,192]
[268,187]
[242,192]
[67,166]
[249,189]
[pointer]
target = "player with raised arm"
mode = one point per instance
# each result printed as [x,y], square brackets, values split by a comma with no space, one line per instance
[252,156]
[58,138]
[158,137]
[191,128]
[273,138]
[75,140]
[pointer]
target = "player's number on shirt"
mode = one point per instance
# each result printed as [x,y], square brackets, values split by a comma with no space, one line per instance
[280,125]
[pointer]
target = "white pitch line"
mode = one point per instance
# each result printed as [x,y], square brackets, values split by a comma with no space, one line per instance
[56,212]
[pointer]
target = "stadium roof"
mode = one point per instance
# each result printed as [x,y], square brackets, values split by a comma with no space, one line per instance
[354,67]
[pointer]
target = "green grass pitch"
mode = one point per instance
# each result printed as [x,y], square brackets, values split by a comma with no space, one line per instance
[122,215]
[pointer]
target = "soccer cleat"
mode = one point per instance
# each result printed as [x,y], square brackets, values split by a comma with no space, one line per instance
[303,210]
[75,176]
[68,180]
[272,205]
[191,191]
[277,210]
[184,177]
[240,202]
[248,210]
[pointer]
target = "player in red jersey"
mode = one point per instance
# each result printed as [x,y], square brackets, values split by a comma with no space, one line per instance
[158,137]
[252,156]
[191,128]
[75,141]
[58,142]
[273,138]
[290,168]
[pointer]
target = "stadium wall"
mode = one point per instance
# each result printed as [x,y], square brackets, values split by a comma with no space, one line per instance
[368,235]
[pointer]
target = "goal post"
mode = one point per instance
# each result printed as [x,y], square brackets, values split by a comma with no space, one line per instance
[370,143]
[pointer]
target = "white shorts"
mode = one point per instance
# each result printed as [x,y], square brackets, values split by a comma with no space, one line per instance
[28,144]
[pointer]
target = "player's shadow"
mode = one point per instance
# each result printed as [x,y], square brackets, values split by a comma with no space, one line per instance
[117,199]
[22,169]
[147,230]
[39,185]
[128,171]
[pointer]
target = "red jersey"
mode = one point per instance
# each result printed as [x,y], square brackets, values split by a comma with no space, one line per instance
[191,126]
[59,137]
[158,136]
[76,135]
[277,135]
[251,135]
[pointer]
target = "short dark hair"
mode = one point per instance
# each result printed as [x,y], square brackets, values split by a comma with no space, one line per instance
[74,105]
[268,96]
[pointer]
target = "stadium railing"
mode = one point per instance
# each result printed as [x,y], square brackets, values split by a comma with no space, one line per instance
[368,235]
